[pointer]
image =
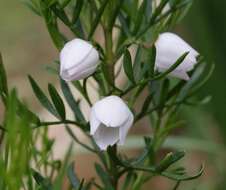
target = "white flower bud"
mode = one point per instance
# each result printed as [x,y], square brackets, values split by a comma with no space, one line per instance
[170,47]
[78,59]
[110,121]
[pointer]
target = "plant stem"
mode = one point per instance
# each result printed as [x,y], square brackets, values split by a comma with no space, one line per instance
[47,123]
[109,63]
[109,55]
[113,171]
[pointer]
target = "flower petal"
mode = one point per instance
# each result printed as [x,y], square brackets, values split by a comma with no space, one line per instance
[111,111]
[106,136]
[74,74]
[94,122]
[169,48]
[74,52]
[123,130]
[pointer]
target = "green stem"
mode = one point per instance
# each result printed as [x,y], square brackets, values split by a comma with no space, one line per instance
[109,55]
[47,123]
[113,171]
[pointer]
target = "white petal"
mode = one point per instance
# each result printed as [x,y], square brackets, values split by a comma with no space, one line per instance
[169,47]
[111,111]
[123,130]
[74,52]
[94,122]
[74,74]
[106,136]
[78,60]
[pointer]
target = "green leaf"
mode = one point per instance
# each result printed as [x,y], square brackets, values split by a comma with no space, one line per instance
[42,97]
[59,180]
[151,60]
[32,116]
[104,177]
[57,101]
[72,176]
[137,68]
[127,182]
[127,65]
[32,5]
[114,13]
[97,18]
[81,185]
[3,81]
[185,177]
[60,13]
[64,3]
[44,183]
[140,16]
[71,101]
[77,10]
[193,80]
[146,103]
[163,93]
[170,159]
[204,80]
[52,26]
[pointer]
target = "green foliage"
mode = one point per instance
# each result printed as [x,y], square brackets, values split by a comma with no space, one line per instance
[138,25]
[127,65]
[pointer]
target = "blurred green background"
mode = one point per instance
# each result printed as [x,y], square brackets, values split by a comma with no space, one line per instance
[26,49]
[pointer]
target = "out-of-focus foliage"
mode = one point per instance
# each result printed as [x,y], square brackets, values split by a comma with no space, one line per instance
[206,26]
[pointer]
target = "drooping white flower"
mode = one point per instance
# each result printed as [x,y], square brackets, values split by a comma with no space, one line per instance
[170,47]
[110,121]
[78,60]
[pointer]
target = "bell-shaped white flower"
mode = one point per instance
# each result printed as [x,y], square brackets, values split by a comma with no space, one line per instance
[170,47]
[110,121]
[78,60]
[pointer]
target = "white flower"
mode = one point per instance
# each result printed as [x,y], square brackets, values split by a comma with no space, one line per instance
[78,59]
[170,47]
[110,121]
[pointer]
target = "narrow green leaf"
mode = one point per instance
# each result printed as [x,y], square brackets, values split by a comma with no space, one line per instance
[137,69]
[42,97]
[59,180]
[183,177]
[73,178]
[114,14]
[64,3]
[57,101]
[104,177]
[127,182]
[97,18]
[77,10]
[170,159]
[52,26]
[3,82]
[140,16]
[127,65]
[60,13]
[163,93]
[204,80]
[44,183]
[71,101]
[193,80]
[81,185]
[32,6]
[146,103]
[151,60]
[32,116]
